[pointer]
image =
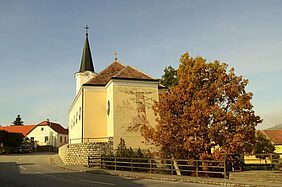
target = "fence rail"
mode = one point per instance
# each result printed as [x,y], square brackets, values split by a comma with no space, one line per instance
[211,168]
[165,166]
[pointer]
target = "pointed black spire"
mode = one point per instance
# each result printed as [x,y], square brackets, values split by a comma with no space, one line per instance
[86,60]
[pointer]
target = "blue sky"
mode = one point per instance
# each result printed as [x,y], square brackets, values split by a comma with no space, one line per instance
[41,45]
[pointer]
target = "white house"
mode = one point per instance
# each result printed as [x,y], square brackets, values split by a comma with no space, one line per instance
[48,133]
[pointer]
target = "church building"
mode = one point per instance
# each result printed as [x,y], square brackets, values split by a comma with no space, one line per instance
[111,104]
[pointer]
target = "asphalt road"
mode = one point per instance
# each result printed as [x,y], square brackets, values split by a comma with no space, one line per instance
[35,170]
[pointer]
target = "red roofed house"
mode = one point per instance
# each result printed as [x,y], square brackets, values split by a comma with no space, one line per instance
[275,136]
[49,133]
[24,129]
[44,133]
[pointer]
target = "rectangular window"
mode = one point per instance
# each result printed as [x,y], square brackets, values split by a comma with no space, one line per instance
[46,139]
[42,129]
[65,139]
[61,139]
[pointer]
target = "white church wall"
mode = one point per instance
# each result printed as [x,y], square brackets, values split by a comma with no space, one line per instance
[110,113]
[75,119]
[95,121]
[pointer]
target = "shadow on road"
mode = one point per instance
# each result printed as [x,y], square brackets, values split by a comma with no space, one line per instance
[22,175]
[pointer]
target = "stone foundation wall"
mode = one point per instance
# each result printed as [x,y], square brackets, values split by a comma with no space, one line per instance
[77,154]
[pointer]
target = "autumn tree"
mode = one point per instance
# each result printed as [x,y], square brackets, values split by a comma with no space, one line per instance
[209,106]
[169,78]
[11,139]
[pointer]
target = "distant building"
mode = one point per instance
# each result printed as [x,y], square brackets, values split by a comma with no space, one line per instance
[23,129]
[48,133]
[44,133]
[275,136]
[109,103]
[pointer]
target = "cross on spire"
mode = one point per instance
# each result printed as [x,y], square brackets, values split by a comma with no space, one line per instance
[86,29]
[116,54]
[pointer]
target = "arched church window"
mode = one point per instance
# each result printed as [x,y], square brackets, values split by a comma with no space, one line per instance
[79,113]
[108,107]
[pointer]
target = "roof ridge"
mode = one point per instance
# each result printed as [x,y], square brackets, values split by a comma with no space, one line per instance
[110,66]
[142,72]
[118,73]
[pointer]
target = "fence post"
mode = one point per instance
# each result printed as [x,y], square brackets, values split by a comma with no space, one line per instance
[171,163]
[131,164]
[100,161]
[115,163]
[197,168]
[225,166]
[150,161]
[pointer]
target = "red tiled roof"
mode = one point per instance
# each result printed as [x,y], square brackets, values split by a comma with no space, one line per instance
[118,71]
[105,76]
[274,135]
[24,129]
[55,126]
[130,73]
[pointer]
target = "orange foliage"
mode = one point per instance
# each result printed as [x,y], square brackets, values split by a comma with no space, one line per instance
[208,107]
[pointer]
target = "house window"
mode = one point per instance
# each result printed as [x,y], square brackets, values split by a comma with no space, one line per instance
[65,139]
[61,139]
[42,129]
[46,139]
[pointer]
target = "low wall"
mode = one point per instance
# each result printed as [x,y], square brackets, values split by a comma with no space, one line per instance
[77,154]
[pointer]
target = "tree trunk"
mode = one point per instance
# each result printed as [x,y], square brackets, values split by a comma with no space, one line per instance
[178,172]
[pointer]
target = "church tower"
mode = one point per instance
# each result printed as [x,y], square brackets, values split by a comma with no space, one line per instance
[86,71]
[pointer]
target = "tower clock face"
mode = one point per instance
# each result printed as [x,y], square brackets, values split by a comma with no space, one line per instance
[108,107]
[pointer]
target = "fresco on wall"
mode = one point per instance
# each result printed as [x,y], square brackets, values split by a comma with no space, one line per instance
[134,107]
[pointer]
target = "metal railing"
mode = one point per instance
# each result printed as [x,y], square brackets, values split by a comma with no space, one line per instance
[216,168]
[88,140]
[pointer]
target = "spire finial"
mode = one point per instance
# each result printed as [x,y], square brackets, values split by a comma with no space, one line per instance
[86,29]
[116,55]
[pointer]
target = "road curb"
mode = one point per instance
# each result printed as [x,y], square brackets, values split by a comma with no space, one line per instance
[54,161]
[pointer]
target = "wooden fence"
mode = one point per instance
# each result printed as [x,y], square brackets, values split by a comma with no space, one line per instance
[211,168]
[197,168]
